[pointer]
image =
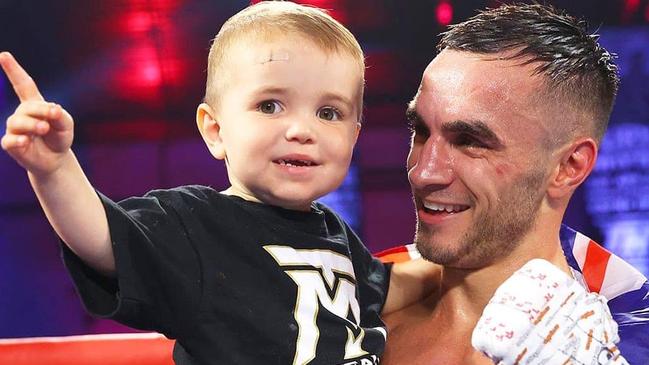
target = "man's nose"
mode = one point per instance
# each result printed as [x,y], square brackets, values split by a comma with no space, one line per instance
[301,129]
[430,165]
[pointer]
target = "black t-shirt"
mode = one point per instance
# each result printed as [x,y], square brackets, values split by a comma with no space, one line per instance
[239,282]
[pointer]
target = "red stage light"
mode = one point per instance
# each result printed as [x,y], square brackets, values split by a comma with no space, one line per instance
[159,5]
[149,62]
[444,13]
[140,21]
[149,73]
[631,6]
[629,10]
[140,76]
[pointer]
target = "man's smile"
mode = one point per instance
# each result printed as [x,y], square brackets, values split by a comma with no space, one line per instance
[431,207]
[438,212]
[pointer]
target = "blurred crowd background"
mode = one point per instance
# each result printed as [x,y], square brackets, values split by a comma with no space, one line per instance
[132,72]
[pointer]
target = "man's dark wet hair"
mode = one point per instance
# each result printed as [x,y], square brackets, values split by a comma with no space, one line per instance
[576,68]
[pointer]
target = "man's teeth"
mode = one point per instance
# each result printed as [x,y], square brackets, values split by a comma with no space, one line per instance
[442,207]
[295,163]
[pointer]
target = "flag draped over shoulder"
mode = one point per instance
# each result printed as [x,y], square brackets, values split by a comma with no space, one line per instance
[626,289]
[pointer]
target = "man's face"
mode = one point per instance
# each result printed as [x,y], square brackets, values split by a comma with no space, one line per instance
[288,120]
[477,163]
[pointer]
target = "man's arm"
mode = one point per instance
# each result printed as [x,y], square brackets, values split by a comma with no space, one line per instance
[39,135]
[540,315]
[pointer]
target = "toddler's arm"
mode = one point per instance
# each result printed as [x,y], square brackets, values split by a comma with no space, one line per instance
[411,281]
[39,136]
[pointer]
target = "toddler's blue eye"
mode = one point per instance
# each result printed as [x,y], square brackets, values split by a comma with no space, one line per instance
[269,107]
[329,113]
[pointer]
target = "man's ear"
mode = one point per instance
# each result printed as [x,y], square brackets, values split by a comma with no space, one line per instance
[576,162]
[210,129]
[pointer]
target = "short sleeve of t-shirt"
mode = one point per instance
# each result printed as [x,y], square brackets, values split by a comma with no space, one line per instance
[155,260]
[372,276]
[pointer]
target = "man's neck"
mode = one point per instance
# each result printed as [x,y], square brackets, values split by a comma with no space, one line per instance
[471,289]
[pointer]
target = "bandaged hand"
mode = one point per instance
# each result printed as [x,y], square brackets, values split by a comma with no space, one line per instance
[540,315]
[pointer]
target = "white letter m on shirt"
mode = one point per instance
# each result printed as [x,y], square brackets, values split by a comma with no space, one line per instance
[324,278]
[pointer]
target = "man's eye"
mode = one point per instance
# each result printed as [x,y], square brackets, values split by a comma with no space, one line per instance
[467,140]
[329,113]
[269,107]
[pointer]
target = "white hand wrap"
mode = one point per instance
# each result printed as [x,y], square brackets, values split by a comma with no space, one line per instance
[540,315]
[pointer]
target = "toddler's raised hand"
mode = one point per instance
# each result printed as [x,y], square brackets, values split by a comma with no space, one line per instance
[39,133]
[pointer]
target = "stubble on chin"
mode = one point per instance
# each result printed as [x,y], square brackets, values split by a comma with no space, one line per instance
[492,235]
[432,249]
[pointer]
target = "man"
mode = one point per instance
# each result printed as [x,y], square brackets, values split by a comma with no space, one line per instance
[506,125]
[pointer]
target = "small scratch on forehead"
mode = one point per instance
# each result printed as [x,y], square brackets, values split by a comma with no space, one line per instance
[272,56]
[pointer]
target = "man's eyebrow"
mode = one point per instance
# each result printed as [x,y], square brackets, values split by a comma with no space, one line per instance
[475,128]
[412,115]
[416,122]
[414,118]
